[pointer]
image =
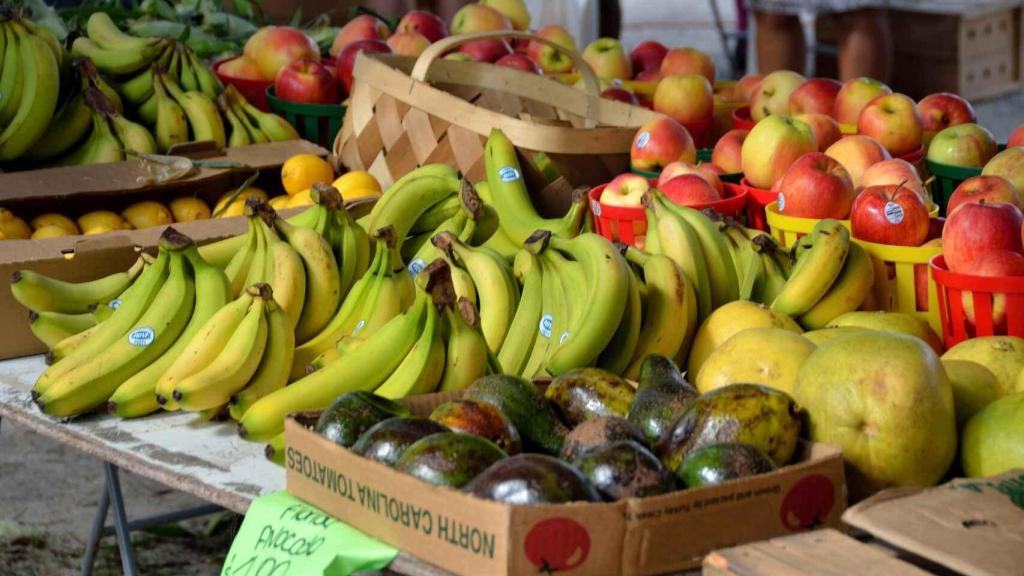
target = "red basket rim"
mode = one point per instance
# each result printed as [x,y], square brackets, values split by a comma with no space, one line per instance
[762,195]
[913,156]
[730,204]
[262,84]
[741,118]
[991,284]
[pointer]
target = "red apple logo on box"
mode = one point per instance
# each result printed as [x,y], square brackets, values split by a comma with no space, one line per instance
[557,544]
[808,503]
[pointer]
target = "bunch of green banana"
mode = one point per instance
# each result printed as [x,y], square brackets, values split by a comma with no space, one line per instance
[74,117]
[831,276]
[427,193]
[113,51]
[761,264]
[250,125]
[419,250]
[30,70]
[203,119]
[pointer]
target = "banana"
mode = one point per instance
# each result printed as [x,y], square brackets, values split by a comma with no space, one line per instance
[816,269]
[221,252]
[846,294]
[91,383]
[69,125]
[258,268]
[117,61]
[619,351]
[522,332]
[463,283]
[51,328]
[286,275]
[721,274]
[40,80]
[203,348]
[747,262]
[254,133]
[137,395]
[171,123]
[401,206]
[347,238]
[323,281]
[466,353]
[436,215]
[202,114]
[44,294]
[133,137]
[421,370]
[55,46]
[552,325]
[388,347]
[209,83]
[140,87]
[393,292]
[666,317]
[12,74]
[66,346]
[774,277]
[237,270]
[275,449]
[425,250]
[187,75]
[677,240]
[91,78]
[437,170]
[517,216]
[101,147]
[275,366]
[239,135]
[607,274]
[100,28]
[275,128]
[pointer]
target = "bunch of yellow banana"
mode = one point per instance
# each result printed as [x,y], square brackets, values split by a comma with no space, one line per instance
[430,345]
[30,70]
[417,203]
[831,276]
[250,125]
[761,265]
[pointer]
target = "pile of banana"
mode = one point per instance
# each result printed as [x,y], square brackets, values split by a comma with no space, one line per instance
[113,94]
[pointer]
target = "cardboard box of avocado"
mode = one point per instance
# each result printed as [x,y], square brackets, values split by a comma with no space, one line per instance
[75,190]
[617,509]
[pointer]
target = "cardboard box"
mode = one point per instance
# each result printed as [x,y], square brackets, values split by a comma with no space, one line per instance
[75,190]
[467,535]
[970,525]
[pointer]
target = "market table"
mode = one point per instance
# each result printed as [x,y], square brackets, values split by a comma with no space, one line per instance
[206,460]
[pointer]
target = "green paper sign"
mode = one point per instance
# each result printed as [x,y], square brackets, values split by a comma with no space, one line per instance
[284,536]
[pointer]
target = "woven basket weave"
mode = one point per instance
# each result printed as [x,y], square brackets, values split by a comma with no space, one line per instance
[404,113]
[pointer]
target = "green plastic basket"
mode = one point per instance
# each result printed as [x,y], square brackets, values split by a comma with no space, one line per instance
[947,178]
[318,123]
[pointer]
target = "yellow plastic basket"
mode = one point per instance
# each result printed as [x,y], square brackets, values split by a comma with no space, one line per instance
[788,229]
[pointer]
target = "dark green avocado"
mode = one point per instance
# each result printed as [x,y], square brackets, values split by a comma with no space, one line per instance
[625,469]
[598,432]
[482,419]
[716,463]
[449,458]
[589,393]
[532,479]
[661,398]
[530,413]
[354,413]
[386,441]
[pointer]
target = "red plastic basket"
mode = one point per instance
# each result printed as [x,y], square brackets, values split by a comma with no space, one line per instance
[255,91]
[987,295]
[757,200]
[700,131]
[916,158]
[627,223]
[741,118]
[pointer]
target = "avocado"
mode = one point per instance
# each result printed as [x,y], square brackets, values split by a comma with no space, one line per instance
[532,479]
[625,469]
[449,458]
[661,398]
[480,418]
[598,432]
[354,413]
[588,393]
[760,416]
[716,463]
[531,414]
[386,441]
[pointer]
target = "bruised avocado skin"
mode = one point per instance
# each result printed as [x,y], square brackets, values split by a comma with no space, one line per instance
[661,398]
[716,463]
[533,479]
[449,459]
[589,393]
[353,414]
[625,469]
[598,432]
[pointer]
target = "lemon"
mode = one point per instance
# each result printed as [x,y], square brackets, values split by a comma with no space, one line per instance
[300,199]
[237,207]
[54,219]
[279,202]
[100,229]
[301,171]
[101,219]
[187,209]
[147,214]
[13,227]
[357,184]
[50,231]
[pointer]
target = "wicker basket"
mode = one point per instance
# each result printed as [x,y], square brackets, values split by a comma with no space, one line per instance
[405,113]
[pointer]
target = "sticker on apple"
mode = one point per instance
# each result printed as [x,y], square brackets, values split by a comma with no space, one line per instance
[508,174]
[141,337]
[557,545]
[808,503]
[547,323]
[893,212]
[642,140]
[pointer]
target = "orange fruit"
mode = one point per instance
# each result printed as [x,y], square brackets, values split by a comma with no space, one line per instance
[357,184]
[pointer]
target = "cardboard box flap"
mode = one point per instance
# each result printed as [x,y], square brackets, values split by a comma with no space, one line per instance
[973,526]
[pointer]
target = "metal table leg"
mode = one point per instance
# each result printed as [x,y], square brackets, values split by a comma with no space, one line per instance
[96,532]
[124,536]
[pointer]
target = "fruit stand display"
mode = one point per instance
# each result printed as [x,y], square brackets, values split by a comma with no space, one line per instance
[526,318]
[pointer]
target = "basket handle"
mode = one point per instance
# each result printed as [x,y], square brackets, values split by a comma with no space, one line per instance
[443,46]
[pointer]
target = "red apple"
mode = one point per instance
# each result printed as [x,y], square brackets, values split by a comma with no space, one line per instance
[620,94]
[408,43]
[362,27]
[816,186]
[625,190]
[772,146]
[965,145]
[347,58]
[490,50]
[893,120]
[746,87]
[856,153]
[690,190]
[944,109]
[427,23]
[892,172]
[686,98]
[242,67]
[892,215]
[979,227]
[854,96]
[814,96]
[647,56]
[648,76]
[679,61]
[727,151]
[772,95]
[552,61]
[676,169]
[825,128]
[519,62]
[991,189]
[1017,138]
[660,142]
[273,47]
[478,18]
[608,59]
[1010,165]
[306,81]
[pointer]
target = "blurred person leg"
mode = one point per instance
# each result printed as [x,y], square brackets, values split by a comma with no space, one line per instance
[865,45]
[390,8]
[780,42]
[609,19]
